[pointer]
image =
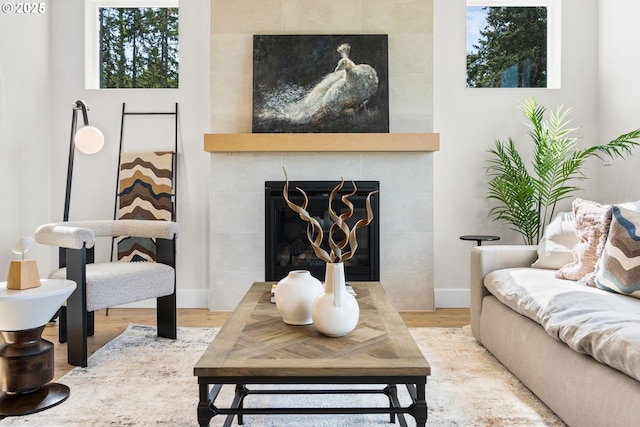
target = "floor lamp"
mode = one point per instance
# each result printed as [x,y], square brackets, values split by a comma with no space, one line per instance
[87,139]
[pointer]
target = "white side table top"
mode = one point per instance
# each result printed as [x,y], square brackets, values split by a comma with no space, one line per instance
[34,307]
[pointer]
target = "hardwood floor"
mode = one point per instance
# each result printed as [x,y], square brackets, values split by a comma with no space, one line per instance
[109,327]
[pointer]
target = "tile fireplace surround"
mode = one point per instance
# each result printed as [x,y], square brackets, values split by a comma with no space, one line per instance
[236,228]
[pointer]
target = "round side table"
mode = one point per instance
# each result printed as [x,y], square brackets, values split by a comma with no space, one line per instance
[26,360]
[479,238]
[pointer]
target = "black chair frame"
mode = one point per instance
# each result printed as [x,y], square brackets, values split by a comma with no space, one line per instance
[76,323]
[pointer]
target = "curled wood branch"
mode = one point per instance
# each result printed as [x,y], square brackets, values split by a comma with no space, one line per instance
[313,226]
[339,223]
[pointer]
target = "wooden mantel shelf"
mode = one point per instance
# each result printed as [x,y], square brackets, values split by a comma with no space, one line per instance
[317,142]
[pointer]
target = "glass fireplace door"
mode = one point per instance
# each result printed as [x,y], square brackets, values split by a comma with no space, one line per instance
[287,246]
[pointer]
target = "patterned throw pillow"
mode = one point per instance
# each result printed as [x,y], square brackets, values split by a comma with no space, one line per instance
[592,226]
[620,261]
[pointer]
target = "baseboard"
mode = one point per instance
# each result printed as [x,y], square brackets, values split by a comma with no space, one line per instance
[197,298]
[186,298]
[452,298]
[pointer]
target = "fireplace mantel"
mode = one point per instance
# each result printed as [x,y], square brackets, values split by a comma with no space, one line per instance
[317,142]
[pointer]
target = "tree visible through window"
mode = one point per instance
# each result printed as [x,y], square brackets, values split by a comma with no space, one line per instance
[138,47]
[511,48]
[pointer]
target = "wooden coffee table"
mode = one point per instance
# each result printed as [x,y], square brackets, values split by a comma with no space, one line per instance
[256,347]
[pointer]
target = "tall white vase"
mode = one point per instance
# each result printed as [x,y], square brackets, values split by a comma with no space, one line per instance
[294,295]
[335,313]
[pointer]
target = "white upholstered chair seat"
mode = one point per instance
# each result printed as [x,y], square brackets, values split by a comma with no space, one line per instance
[107,284]
[137,281]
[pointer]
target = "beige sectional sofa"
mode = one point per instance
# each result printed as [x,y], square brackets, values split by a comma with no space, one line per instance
[523,314]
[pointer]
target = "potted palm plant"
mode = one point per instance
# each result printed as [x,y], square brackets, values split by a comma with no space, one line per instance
[527,197]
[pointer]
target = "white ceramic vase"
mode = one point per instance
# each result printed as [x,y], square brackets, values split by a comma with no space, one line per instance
[335,312]
[294,295]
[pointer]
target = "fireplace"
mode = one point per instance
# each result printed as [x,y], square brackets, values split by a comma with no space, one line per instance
[286,245]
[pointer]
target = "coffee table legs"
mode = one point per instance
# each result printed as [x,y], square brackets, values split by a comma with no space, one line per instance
[420,405]
[209,392]
[238,402]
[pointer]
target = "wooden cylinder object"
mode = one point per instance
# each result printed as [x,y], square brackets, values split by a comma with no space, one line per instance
[23,274]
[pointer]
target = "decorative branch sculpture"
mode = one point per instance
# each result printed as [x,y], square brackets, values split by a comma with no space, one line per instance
[339,223]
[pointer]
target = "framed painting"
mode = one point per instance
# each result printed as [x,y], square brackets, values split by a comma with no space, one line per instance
[320,83]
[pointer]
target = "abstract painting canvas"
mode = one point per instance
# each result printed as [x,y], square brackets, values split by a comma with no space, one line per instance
[320,83]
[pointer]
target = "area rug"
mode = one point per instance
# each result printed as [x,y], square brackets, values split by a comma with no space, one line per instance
[138,379]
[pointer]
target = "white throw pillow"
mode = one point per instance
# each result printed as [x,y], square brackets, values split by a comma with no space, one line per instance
[556,246]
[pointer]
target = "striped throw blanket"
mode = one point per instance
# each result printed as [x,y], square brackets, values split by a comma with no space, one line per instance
[145,192]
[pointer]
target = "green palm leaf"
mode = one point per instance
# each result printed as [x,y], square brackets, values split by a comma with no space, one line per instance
[512,187]
[527,201]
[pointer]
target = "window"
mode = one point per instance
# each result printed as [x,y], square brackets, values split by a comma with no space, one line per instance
[513,43]
[131,44]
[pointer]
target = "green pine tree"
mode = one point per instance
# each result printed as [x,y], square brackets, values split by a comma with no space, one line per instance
[512,50]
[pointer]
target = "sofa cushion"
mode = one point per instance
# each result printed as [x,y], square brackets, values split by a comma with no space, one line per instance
[556,246]
[619,269]
[602,324]
[592,226]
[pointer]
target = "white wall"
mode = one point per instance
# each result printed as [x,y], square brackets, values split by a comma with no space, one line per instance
[620,93]
[24,131]
[94,178]
[470,120]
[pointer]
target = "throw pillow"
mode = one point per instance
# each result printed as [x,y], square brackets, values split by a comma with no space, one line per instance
[592,226]
[590,278]
[620,261]
[556,246]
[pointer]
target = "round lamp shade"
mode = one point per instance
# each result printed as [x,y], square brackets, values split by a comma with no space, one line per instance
[89,139]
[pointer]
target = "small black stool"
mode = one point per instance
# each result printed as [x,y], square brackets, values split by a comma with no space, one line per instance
[479,238]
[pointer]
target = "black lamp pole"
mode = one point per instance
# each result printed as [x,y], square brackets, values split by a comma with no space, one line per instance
[80,105]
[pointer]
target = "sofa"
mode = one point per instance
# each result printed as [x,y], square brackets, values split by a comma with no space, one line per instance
[575,345]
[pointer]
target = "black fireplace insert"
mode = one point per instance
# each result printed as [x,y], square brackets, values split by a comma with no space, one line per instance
[286,245]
